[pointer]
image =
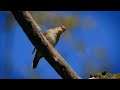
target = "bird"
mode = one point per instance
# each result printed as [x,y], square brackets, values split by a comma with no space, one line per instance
[52,35]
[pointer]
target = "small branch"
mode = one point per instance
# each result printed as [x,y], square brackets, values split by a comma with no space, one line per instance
[34,34]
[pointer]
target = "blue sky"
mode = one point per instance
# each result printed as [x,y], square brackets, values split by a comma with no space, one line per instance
[105,33]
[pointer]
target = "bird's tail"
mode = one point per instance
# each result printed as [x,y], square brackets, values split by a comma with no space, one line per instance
[37,57]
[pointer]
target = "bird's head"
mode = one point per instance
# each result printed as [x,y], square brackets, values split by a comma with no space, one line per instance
[63,28]
[60,29]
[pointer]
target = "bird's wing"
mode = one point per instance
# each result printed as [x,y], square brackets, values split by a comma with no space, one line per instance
[44,33]
[37,57]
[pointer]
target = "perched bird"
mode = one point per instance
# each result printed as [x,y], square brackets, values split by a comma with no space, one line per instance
[52,35]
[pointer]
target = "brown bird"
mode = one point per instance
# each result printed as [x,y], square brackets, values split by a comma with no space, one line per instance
[52,35]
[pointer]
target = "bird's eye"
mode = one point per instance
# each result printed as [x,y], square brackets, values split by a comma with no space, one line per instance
[61,26]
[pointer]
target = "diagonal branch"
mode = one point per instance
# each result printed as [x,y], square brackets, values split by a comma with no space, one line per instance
[34,34]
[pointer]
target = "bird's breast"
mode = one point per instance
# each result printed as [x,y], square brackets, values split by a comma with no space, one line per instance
[52,38]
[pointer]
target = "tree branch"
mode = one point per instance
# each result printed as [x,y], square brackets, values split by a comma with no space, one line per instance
[34,34]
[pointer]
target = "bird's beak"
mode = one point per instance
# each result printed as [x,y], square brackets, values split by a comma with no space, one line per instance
[63,29]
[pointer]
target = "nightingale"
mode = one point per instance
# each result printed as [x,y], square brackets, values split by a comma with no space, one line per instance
[52,35]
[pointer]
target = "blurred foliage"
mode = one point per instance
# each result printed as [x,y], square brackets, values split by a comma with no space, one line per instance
[105,75]
[49,19]
[80,46]
[90,68]
[88,23]
[100,53]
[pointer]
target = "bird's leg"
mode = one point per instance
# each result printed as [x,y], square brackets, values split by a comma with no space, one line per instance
[33,50]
